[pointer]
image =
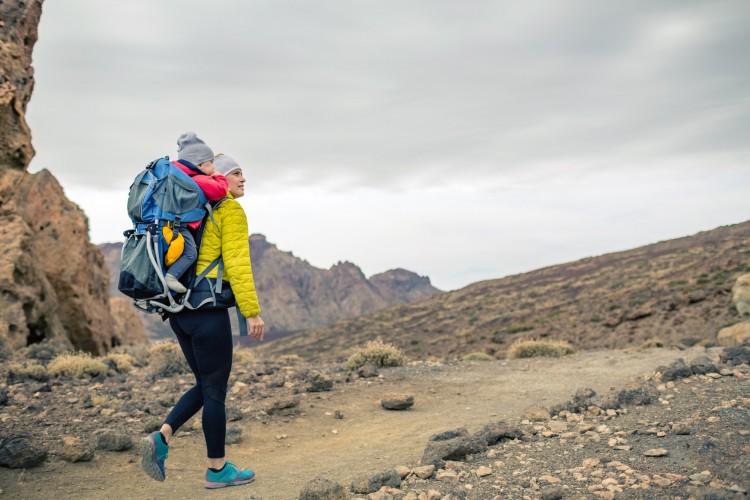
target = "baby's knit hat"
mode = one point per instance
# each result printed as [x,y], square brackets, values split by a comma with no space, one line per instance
[225,165]
[193,149]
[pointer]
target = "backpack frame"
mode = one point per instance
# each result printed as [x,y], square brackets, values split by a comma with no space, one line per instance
[163,195]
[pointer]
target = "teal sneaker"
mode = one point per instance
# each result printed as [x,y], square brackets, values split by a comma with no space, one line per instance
[153,454]
[230,475]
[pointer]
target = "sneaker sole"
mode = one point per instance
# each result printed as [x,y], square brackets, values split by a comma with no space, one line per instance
[148,459]
[211,485]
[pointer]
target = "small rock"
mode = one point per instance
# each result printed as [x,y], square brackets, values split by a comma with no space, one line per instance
[397,401]
[403,471]
[284,406]
[484,471]
[318,382]
[371,484]
[590,463]
[368,371]
[447,476]
[549,479]
[75,451]
[233,435]
[338,415]
[113,440]
[552,494]
[536,414]
[239,387]
[152,424]
[19,452]
[635,396]
[323,489]
[662,481]
[234,414]
[656,452]
[424,472]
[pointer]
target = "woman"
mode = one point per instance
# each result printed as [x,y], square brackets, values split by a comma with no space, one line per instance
[205,336]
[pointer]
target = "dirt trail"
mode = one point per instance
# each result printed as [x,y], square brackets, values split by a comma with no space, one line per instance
[368,438]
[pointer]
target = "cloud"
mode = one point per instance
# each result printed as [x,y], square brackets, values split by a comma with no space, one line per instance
[401,99]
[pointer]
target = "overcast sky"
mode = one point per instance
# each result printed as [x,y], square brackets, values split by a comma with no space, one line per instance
[460,140]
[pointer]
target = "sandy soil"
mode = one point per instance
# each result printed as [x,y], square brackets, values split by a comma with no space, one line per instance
[287,452]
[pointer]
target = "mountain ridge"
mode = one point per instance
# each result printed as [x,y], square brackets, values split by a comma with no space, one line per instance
[295,295]
[674,291]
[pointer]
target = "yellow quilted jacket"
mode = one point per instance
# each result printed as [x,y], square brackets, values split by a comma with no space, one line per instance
[228,237]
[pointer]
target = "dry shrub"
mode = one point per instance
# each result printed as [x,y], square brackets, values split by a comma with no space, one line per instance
[77,365]
[243,356]
[166,359]
[26,371]
[376,353]
[120,361]
[652,343]
[477,356]
[533,348]
[138,353]
[45,350]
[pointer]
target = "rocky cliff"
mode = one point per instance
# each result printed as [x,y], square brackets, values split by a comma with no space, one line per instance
[53,282]
[295,295]
[18,34]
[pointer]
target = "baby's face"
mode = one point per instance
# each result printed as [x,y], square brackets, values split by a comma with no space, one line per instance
[207,167]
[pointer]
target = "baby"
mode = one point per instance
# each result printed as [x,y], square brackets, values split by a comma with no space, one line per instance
[192,154]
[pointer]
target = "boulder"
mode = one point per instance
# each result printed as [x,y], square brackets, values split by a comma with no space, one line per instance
[741,294]
[734,335]
[371,484]
[19,452]
[397,401]
[451,445]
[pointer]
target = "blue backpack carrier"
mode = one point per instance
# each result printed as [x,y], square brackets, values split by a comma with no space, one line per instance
[162,196]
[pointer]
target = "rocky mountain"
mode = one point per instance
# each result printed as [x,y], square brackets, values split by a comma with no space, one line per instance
[53,283]
[295,295]
[676,292]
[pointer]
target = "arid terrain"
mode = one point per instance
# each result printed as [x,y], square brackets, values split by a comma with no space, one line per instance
[677,291]
[289,432]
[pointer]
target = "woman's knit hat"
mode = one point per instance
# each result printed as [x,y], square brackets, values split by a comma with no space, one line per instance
[225,165]
[193,149]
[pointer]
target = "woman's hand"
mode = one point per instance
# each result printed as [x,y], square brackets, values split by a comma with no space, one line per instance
[256,327]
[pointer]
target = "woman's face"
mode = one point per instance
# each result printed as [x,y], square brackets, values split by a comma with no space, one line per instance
[236,183]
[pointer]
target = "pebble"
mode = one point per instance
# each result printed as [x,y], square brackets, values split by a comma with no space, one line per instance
[656,452]
[424,472]
[484,471]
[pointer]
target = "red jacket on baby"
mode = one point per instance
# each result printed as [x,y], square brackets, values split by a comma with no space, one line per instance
[215,187]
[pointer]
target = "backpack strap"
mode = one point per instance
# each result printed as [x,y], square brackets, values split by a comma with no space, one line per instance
[242,321]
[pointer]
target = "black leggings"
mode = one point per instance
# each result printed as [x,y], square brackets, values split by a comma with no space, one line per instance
[205,337]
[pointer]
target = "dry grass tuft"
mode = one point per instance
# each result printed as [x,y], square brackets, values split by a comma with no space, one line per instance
[477,356]
[76,365]
[377,353]
[166,359]
[120,361]
[25,371]
[533,348]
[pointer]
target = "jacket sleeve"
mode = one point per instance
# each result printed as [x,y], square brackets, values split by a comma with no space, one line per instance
[215,187]
[235,251]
